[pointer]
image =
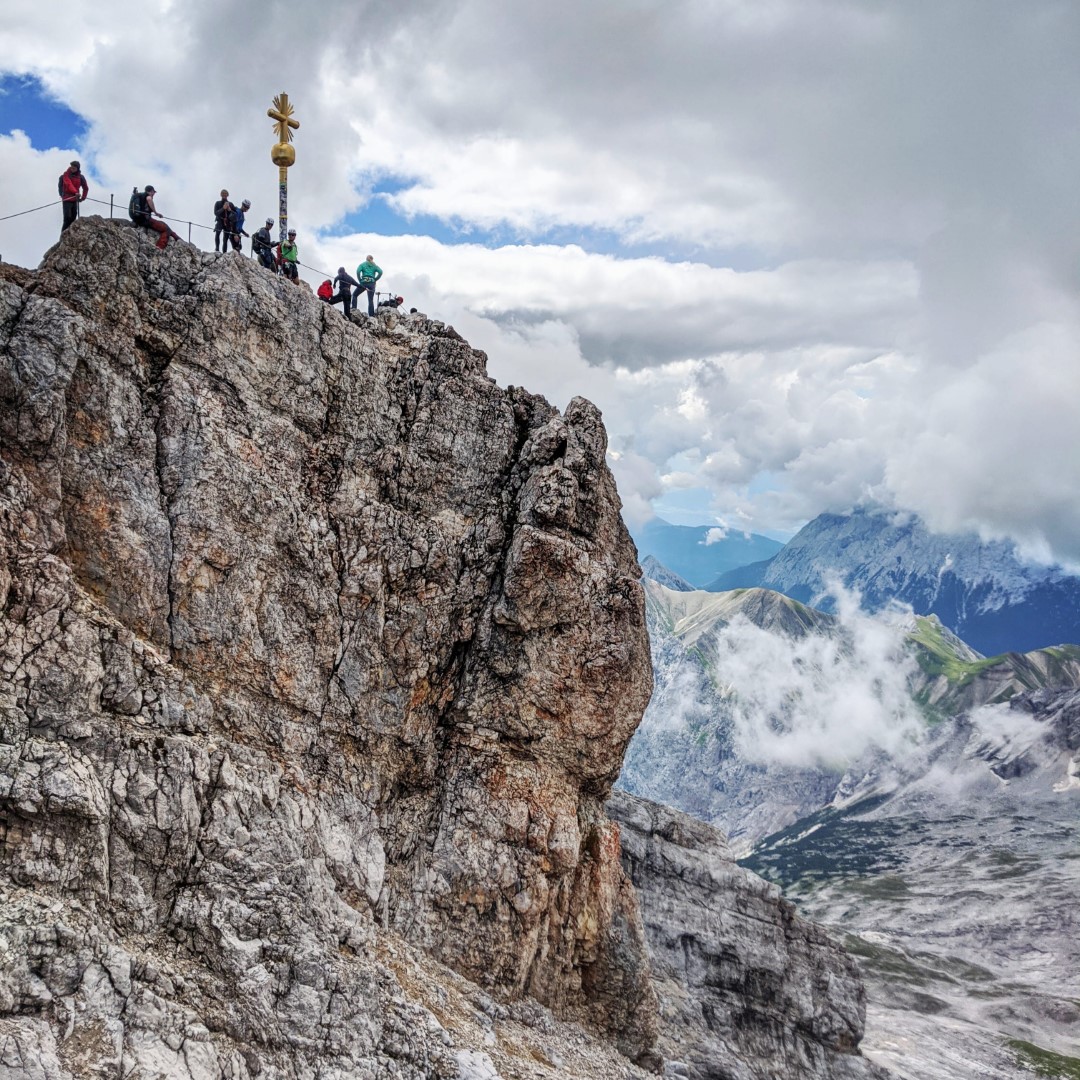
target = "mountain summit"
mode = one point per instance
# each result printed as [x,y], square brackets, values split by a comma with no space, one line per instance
[321,653]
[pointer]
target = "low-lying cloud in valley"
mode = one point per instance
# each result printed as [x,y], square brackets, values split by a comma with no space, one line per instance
[824,700]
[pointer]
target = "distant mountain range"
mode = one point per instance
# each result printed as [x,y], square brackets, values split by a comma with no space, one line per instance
[700,553]
[955,887]
[949,866]
[979,590]
[685,753]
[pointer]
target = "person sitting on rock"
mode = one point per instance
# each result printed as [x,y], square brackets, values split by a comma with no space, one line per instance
[345,284]
[262,245]
[393,302]
[146,213]
[368,273]
[288,256]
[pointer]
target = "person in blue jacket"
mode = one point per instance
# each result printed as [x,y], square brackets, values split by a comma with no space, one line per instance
[238,224]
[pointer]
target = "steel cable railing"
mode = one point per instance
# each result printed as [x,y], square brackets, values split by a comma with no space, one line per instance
[111,204]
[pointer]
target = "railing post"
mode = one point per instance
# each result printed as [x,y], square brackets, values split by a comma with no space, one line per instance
[110,205]
[189,232]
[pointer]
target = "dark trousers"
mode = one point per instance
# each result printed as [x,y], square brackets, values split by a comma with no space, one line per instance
[266,257]
[71,212]
[220,243]
[344,298]
[369,288]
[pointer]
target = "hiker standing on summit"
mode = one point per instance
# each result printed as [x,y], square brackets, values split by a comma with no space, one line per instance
[219,222]
[72,188]
[368,273]
[239,213]
[288,256]
[262,245]
[345,283]
[227,218]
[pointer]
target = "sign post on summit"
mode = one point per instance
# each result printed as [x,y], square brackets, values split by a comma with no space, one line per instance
[283,154]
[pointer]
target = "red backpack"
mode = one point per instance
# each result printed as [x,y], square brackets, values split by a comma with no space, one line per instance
[326,290]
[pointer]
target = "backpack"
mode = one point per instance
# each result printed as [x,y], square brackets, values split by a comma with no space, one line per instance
[326,290]
[137,207]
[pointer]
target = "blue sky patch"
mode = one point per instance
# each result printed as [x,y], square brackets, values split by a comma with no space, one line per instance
[25,104]
[379,216]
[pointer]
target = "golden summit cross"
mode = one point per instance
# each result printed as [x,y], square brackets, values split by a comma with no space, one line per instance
[282,154]
[282,112]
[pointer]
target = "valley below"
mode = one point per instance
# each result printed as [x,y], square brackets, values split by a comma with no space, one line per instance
[960,906]
[947,863]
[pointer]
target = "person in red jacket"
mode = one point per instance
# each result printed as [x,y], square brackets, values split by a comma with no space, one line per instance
[72,187]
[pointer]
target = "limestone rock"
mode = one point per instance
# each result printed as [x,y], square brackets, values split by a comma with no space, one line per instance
[310,631]
[320,653]
[748,989]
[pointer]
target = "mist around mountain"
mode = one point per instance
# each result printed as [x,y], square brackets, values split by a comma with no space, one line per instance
[981,590]
[920,799]
[763,708]
[699,553]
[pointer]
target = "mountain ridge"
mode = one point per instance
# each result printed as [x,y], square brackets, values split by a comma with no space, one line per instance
[688,729]
[946,861]
[979,589]
[697,553]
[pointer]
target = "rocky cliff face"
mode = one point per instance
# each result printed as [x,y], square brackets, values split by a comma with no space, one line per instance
[320,654]
[749,991]
[304,627]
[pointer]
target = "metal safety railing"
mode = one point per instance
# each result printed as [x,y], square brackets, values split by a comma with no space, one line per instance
[112,205]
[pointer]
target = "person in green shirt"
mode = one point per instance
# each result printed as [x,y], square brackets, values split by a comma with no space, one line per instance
[367,273]
[288,254]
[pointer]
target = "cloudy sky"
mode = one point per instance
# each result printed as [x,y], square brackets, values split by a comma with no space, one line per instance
[801,253]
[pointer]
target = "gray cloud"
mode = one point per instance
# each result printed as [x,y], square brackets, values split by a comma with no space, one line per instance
[841,235]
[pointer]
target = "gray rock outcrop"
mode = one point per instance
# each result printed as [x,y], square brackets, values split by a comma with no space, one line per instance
[307,629]
[748,990]
[320,653]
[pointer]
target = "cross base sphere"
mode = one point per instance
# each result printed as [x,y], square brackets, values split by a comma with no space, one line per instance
[282,155]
